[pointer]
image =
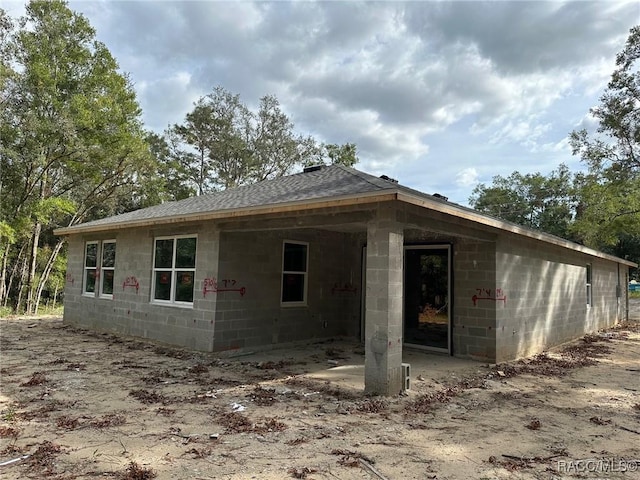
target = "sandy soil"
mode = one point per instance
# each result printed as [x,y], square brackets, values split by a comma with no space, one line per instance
[76,404]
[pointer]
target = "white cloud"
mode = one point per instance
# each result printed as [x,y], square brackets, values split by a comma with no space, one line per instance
[414,84]
[467,177]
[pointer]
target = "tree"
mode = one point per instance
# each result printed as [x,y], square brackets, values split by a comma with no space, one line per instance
[174,183]
[546,203]
[611,190]
[71,142]
[341,154]
[223,144]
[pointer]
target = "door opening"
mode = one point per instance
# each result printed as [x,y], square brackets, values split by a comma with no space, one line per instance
[427,296]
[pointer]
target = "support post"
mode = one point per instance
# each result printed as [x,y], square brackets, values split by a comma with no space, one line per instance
[383,311]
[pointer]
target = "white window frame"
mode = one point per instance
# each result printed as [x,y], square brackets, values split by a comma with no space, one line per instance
[86,269]
[174,275]
[305,275]
[589,283]
[103,268]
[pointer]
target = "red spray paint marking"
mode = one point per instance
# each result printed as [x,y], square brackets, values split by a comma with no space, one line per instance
[70,279]
[211,285]
[131,282]
[486,294]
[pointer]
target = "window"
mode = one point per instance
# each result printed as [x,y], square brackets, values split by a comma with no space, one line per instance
[174,269]
[107,268]
[90,268]
[99,268]
[589,290]
[295,257]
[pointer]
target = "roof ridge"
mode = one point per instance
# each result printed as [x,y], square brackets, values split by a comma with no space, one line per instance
[364,176]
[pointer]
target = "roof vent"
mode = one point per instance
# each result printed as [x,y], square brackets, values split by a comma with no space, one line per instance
[388,179]
[312,168]
[441,197]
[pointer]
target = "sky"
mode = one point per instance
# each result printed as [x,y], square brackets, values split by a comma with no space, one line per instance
[441,96]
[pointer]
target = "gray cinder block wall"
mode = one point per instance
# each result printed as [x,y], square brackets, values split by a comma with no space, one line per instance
[130,311]
[253,260]
[547,296]
[528,294]
[223,320]
[477,297]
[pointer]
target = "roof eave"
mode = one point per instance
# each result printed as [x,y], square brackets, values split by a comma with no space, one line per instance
[347,200]
[285,207]
[450,209]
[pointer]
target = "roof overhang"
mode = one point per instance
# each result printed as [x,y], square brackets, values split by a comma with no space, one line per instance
[285,207]
[479,218]
[342,201]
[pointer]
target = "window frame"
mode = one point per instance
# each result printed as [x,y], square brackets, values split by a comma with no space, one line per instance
[101,293]
[86,269]
[174,272]
[589,284]
[305,276]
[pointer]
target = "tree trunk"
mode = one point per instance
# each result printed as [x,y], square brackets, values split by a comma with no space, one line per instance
[23,283]
[4,290]
[33,264]
[46,272]
[12,276]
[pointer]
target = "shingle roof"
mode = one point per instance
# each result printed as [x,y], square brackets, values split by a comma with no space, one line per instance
[329,183]
[326,182]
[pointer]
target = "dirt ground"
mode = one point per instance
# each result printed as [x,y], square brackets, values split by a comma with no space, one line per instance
[77,404]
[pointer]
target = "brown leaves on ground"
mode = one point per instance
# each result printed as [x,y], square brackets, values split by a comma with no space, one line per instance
[68,423]
[38,378]
[262,396]
[236,422]
[581,354]
[573,356]
[147,397]
[41,461]
[8,432]
[199,369]
[109,420]
[296,441]
[349,458]
[301,472]
[273,365]
[511,464]
[426,403]
[136,472]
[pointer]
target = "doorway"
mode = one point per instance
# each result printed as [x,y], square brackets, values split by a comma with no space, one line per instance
[427,292]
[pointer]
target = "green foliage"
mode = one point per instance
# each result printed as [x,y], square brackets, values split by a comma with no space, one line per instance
[610,193]
[541,202]
[7,233]
[72,146]
[223,144]
[600,208]
[342,154]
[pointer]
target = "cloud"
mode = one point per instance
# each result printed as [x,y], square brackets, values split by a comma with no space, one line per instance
[497,80]
[467,177]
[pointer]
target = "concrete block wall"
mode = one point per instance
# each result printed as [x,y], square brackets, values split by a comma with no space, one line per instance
[253,260]
[607,308]
[475,299]
[131,311]
[546,295]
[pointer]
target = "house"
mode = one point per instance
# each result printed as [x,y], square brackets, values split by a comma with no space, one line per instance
[333,251]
